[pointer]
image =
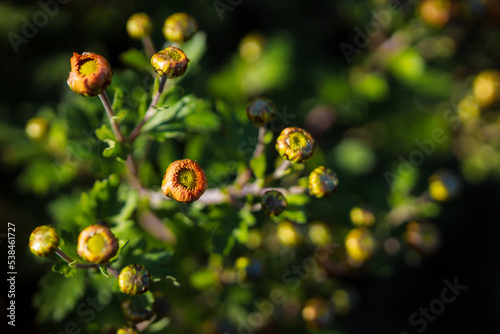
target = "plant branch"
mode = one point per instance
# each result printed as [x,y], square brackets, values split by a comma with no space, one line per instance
[149,113]
[280,171]
[109,111]
[70,261]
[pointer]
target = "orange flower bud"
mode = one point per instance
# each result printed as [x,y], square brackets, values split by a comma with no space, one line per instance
[97,244]
[184,181]
[90,74]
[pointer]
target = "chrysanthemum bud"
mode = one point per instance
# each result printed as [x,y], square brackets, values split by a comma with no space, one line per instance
[360,244]
[273,202]
[170,62]
[295,144]
[97,244]
[287,234]
[90,74]
[127,330]
[444,185]
[134,279]
[134,313]
[139,25]
[184,181]
[486,88]
[44,240]
[179,27]
[322,182]
[261,111]
[36,128]
[361,217]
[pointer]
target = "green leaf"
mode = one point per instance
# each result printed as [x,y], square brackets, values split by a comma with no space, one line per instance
[268,137]
[57,295]
[114,149]
[203,279]
[64,269]
[258,166]
[118,99]
[296,216]
[104,133]
[106,202]
[136,59]
[297,199]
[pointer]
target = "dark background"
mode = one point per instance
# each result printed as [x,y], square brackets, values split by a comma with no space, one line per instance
[469,223]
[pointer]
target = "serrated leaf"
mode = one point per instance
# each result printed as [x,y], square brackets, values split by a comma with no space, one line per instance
[57,295]
[104,202]
[258,166]
[104,133]
[64,269]
[118,99]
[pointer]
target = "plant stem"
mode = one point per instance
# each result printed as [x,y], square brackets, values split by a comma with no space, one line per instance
[148,46]
[280,171]
[149,113]
[109,111]
[259,148]
[64,256]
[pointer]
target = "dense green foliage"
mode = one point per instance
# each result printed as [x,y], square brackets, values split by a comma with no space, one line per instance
[402,101]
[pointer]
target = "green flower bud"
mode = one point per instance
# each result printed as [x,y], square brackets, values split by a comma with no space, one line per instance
[134,279]
[36,128]
[322,182]
[261,111]
[90,74]
[44,240]
[179,27]
[170,62]
[273,202]
[295,144]
[97,244]
[135,313]
[139,25]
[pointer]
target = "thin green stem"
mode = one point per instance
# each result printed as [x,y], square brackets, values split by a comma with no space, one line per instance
[149,113]
[70,261]
[109,111]
[64,256]
[280,171]
[148,46]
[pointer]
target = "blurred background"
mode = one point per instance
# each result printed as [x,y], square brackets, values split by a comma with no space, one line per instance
[402,98]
